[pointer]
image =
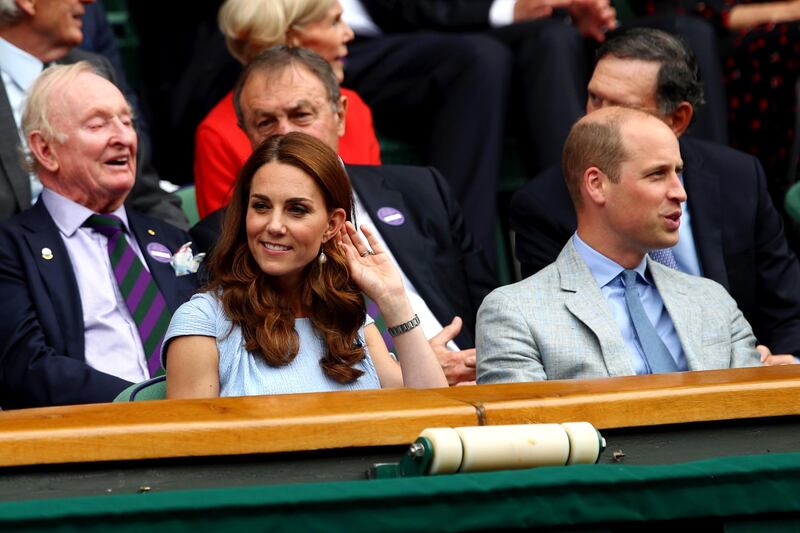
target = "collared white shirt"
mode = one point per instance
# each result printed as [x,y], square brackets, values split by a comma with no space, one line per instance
[19,69]
[111,338]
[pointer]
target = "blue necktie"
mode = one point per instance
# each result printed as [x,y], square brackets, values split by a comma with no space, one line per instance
[665,257]
[655,351]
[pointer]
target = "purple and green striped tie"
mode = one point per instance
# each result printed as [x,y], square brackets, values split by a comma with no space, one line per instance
[145,302]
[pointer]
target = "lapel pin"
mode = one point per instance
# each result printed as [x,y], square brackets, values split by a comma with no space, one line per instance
[391,216]
[159,252]
[151,232]
[47,254]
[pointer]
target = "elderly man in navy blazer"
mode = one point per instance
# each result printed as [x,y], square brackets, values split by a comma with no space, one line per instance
[88,285]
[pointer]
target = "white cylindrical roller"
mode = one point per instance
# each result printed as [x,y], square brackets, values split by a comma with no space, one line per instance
[447,450]
[508,447]
[584,443]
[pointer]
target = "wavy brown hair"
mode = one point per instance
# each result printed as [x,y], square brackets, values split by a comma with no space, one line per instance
[333,302]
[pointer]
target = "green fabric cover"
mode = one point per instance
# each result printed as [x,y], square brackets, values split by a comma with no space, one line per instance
[151,389]
[580,496]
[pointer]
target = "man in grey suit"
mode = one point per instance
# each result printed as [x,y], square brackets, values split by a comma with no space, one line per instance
[605,308]
[33,35]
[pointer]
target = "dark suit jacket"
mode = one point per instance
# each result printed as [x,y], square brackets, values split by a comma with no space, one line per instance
[738,235]
[15,189]
[41,321]
[432,246]
[443,15]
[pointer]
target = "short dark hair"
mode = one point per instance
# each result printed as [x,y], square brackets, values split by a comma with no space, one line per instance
[280,57]
[679,75]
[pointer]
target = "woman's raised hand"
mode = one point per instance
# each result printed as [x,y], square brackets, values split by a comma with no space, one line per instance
[370,266]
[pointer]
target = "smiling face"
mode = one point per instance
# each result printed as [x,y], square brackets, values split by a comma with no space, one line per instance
[58,22]
[643,208]
[287,221]
[93,159]
[327,36]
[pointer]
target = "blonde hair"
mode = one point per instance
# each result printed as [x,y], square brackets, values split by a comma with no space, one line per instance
[250,26]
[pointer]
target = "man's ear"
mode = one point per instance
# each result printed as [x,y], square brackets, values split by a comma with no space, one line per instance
[680,118]
[42,150]
[335,222]
[27,6]
[341,114]
[595,186]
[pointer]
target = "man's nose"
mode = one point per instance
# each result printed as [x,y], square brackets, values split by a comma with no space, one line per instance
[677,192]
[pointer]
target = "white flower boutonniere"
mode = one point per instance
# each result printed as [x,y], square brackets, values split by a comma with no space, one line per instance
[184,262]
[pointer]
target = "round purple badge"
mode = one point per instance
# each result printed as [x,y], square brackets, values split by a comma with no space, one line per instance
[391,216]
[159,252]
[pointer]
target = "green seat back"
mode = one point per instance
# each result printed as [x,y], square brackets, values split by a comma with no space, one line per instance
[152,389]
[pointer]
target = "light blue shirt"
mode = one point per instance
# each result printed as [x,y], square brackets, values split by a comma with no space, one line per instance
[19,70]
[111,338]
[608,276]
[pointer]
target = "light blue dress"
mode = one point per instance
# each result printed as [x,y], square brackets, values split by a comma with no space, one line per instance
[244,374]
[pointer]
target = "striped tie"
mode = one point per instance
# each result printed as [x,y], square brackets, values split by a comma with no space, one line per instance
[144,300]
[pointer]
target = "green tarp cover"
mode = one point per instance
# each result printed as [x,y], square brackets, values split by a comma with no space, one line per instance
[577,496]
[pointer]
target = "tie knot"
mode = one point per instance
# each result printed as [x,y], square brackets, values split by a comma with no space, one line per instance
[108,225]
[629,277]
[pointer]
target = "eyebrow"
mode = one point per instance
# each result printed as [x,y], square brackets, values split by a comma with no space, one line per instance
[296,199]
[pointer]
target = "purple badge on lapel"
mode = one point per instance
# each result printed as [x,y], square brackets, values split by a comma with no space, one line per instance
[391,216]
[159,252]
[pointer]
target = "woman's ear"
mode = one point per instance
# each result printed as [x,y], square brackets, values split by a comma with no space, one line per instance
[335,223]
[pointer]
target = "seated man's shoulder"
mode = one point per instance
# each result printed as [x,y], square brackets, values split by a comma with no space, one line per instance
[541,287]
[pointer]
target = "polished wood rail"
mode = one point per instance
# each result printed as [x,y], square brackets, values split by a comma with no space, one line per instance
[236,426]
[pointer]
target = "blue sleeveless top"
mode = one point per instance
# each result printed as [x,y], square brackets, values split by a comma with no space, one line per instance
[243,374]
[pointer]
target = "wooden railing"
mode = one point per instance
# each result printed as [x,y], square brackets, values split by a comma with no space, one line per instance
[235,426]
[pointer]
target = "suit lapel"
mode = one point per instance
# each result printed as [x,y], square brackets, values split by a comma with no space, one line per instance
[162,273]
[57,274]
[703,190]
[18,179]
[684,312]
[589,305]
[375,195]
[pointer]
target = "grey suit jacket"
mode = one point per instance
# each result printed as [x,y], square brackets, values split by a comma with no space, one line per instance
[557,324]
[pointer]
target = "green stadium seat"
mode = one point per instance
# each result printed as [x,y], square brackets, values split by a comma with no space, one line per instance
[189,204]
[152,389]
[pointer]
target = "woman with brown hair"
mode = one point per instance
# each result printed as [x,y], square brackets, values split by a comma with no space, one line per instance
[283,310]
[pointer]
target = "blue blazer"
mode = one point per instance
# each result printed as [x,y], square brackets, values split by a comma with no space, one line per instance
[41,322]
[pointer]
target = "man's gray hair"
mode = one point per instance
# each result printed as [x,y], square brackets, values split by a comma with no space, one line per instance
[10,13]
[38,112]
[280,57]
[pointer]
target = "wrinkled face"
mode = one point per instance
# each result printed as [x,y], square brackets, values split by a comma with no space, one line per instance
[328,37]
[291,100]
[625,83]
[287,221]
[643,209]
[59,21]
[94,161]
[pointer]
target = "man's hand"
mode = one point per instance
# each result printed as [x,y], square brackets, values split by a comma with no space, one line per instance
[525,10]
[770,359]
[459,367]
[593,18]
